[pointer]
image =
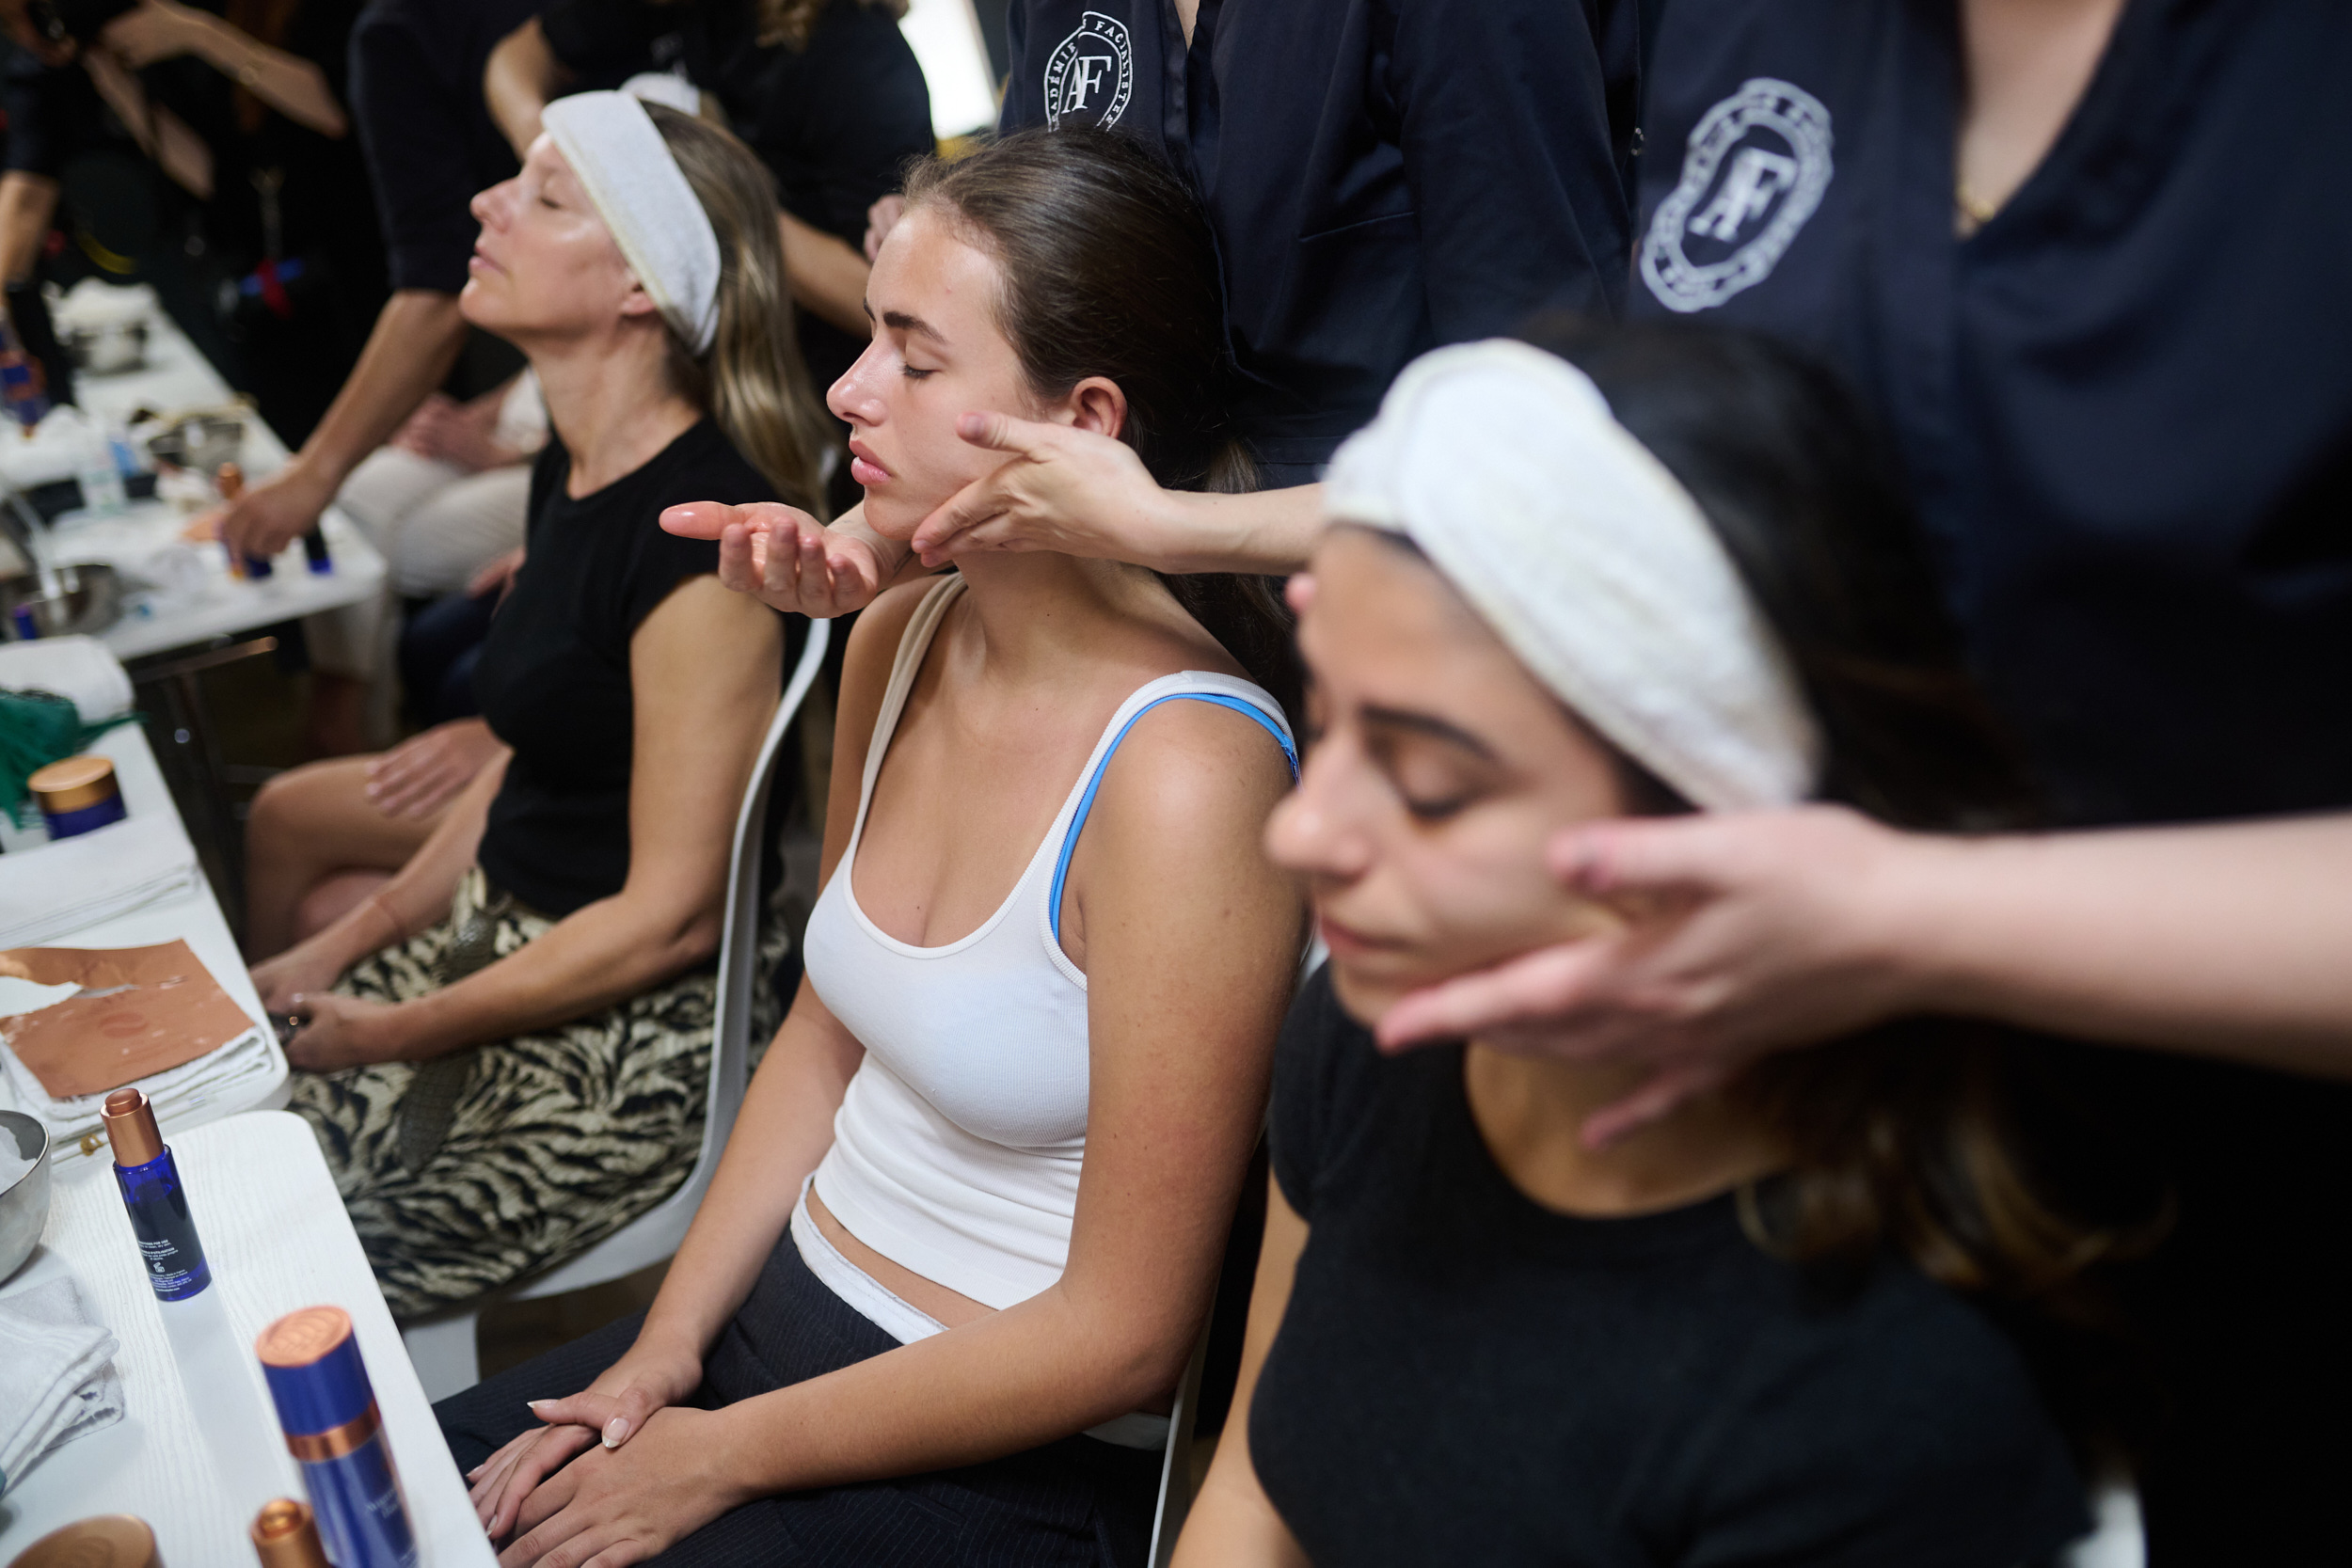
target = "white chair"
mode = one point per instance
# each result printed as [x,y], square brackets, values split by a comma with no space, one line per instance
[1176,1491]
[443,1346]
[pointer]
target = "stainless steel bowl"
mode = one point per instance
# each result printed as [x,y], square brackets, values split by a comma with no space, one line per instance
[83,599]
[108,349]
[24,1202]
[199,441]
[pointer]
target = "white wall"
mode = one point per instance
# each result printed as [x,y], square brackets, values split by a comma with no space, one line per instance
[946,39]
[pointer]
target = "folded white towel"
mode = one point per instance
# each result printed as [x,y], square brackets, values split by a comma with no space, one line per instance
[79,668]
[217,1075]
[55,889]
[57,1380]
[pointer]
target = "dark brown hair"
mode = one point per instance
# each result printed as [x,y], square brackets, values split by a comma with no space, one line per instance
[1108,269]
[1906,1135]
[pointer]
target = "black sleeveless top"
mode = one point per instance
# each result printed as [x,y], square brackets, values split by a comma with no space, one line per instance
[554,678]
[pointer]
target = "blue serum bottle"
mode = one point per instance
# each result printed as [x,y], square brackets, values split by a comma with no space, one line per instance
[169,1250]
[327,1406]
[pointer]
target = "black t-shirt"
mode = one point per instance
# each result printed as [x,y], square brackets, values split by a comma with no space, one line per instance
[553,678]
[416,97]
[1382,177]
[835,122]
[1464,1376]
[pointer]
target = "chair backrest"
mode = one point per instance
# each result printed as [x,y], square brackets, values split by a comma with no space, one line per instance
[656,1234]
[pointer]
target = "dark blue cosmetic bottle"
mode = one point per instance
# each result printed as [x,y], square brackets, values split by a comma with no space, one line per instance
[311,1360]
[173,1257]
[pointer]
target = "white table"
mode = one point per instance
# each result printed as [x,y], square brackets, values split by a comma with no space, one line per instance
[174,377]
[198,1450]
[193,917]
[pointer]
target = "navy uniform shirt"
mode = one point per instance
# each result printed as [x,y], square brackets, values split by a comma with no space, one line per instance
[1383,176]
[2126,408]
[2125,404]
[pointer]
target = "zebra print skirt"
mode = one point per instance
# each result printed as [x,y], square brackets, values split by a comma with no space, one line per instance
[468,1172]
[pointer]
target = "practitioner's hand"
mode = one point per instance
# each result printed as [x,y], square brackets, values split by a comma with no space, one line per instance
[880,218]
[463,434]
[497,575]
[272,514]
[786,559]
[612,1410]
[1746,933]
[612,1509]
[307,966]
[342,1032]
[1075,492]
[424,772]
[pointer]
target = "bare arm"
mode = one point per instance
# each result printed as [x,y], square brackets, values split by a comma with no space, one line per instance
[1082,493]
[1231,1523]
[2223,941]
[415,341]
[27,202]
[521,75]
[296,87]
[1771,929]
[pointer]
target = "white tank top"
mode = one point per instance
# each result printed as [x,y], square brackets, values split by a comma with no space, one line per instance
[956,1149]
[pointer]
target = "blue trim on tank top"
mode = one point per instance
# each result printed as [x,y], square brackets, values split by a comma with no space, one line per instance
[1085,801]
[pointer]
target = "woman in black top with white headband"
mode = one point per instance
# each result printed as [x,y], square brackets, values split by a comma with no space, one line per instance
[1764,1329]
[515,1060]
[2082,258]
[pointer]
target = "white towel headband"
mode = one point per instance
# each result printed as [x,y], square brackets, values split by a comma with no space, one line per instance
[629,174]
[1590,561]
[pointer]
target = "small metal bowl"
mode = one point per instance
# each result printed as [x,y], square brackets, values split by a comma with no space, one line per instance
[24,1202]
[199,441]
[109,348]
[88,599]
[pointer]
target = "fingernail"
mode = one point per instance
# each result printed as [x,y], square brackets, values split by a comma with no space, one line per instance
[614,1430]
[532,1405]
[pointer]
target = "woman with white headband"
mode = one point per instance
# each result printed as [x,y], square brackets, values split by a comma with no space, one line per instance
[1744,1334]
[504,1049]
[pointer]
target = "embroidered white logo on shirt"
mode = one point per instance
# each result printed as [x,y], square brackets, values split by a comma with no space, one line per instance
[1754,171]
[1089,75]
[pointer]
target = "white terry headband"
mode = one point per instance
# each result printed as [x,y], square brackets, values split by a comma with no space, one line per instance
[629,173]
[1590,561]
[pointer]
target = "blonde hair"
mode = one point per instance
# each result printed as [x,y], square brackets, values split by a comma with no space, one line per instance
[751,381]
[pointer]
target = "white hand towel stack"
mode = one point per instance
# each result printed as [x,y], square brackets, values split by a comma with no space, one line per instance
[57,1379]
[79,668]
[68,886]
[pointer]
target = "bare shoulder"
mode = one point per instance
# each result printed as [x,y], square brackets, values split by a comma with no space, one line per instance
[702,619]
[1189,774]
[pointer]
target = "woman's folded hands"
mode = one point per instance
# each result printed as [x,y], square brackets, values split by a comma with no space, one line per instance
[617,1407]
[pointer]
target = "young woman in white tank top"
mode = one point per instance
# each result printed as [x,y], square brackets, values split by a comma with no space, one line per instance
[1007,1120]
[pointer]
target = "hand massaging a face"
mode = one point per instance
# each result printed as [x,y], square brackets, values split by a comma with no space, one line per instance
[1569,597]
